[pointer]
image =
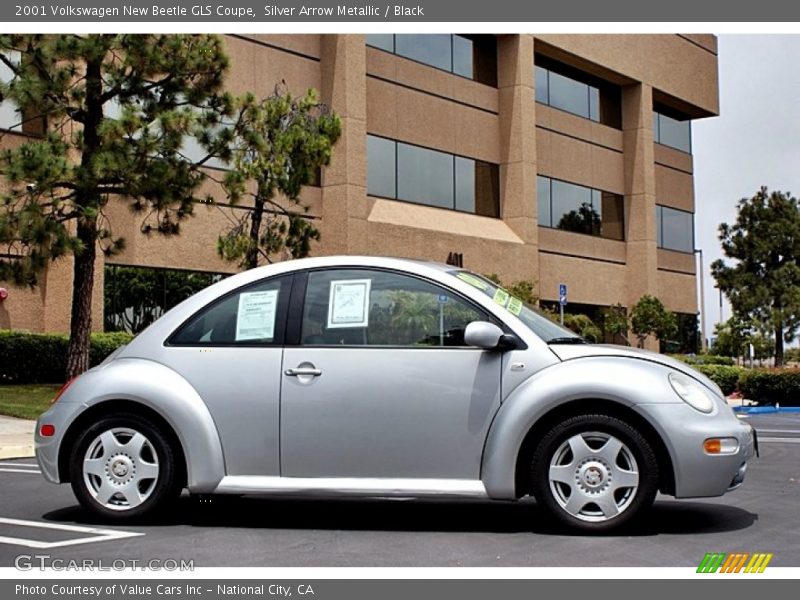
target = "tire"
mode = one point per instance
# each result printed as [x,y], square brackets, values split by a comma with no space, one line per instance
[124,468]
[594,473]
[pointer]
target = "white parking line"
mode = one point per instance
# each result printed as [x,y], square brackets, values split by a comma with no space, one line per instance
[34,471]
[797,431]
[97,535]
[778,440]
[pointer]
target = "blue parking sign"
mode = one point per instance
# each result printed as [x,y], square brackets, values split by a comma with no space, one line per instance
[562,289]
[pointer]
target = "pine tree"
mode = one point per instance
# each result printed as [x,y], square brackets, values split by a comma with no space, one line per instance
[278,146]
[117,111]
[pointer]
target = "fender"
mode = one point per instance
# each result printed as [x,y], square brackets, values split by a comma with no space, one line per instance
[164,391]
[602,378]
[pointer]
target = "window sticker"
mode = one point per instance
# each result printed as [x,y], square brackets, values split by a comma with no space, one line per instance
[514,306]
[472,280]
[501,297]
[348,305]
[256,317]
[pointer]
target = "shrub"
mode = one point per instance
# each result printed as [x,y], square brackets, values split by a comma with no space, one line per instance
[725,376]
[42,357]
[771,386]
[704,359]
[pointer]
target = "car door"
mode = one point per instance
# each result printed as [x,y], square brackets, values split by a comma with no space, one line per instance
[230,352]
[380,382]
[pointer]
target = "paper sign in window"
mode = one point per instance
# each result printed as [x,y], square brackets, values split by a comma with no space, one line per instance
[348,305]
[256,317]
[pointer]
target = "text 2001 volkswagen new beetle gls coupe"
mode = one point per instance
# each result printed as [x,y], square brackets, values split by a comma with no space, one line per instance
[385,377]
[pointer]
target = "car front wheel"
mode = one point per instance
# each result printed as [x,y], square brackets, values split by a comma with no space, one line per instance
[123,467]
[594,472]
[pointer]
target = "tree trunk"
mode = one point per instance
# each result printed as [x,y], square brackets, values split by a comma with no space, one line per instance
[81,318]
[779,344]
[83,268]
[251,259]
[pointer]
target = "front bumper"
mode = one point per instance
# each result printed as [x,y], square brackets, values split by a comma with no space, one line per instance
[684,430]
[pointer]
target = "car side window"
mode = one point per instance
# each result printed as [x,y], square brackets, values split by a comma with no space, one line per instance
[359,307]
[253,315]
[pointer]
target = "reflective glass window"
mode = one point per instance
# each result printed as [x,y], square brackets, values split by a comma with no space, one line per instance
[432,49]
[569,95]
[569,89]
[424,176]
[572,207]
[542,85]
[384,41]
[406,172]
[381,167]
[462,56]
[471,56]
[675,229]
[673,132]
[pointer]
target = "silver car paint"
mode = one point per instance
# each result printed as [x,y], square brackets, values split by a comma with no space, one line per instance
[243,399]
[630,383]
[534,380]
[384,412]
[150,384]
[570,352]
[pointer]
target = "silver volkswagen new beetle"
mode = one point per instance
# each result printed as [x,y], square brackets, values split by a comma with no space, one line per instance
[366,376]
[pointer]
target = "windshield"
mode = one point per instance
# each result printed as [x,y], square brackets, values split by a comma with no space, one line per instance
[550,331]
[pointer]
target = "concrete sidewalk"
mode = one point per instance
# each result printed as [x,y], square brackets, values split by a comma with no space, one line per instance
[16,437]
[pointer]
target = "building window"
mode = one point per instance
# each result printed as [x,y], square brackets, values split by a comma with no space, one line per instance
[673,132]
[134,297]
[573,91]
[404,172]
[470,56]
[674,229]
[573,207]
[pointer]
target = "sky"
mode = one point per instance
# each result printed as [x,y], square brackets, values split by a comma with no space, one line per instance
[755,141]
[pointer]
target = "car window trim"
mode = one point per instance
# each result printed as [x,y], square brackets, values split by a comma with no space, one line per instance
[281,317]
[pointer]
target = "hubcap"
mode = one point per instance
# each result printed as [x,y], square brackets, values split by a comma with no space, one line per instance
[593,476]
[120,468]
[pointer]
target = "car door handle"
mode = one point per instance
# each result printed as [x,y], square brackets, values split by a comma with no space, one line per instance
[303,371]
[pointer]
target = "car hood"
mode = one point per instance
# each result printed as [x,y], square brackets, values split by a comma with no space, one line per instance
[573,351]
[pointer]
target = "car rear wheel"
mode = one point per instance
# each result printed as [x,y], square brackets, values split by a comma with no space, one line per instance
[123,467]
[594,472]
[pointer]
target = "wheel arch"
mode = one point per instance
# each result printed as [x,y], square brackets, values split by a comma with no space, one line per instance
[154,391]
[666,471]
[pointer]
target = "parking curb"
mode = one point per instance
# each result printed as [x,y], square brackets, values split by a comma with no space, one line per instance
[25,451]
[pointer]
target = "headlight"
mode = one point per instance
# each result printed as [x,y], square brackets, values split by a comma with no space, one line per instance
[691,392]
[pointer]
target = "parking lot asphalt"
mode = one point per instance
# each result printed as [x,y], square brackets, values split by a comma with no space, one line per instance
[37,517]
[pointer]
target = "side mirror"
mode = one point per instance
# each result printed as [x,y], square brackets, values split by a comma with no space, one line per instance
[488,336]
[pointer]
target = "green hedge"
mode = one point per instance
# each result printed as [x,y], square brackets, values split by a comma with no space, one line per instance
[771,386]
[726,377]
[704,359]
[42,357]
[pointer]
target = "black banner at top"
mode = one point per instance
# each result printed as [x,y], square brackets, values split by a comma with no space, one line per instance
[321,11]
